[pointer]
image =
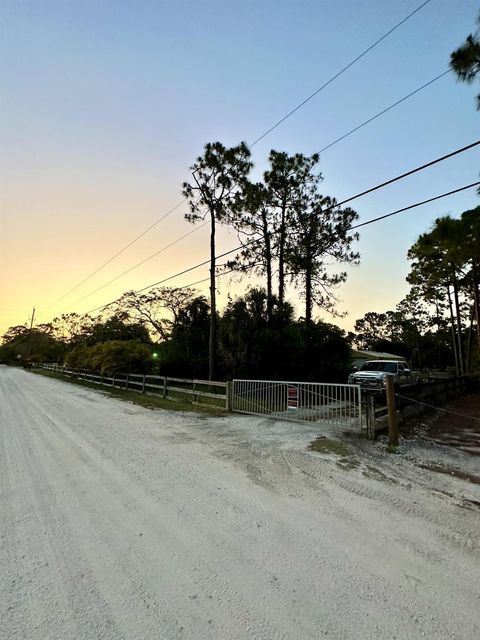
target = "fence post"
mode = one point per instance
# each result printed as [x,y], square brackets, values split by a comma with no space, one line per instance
[194,389]
[113,380]
[165,387]
[143,384]
[228,396]
[370,415]
[392,413]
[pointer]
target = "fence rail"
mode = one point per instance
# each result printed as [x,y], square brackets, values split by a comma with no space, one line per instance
[412,401]
[196,391]
[336,404]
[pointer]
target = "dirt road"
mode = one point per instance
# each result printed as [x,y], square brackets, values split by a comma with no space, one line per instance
[118,522]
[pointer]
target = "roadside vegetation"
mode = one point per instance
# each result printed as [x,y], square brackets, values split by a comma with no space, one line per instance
[149,401]
[299,241]
[436,324]
[292,236]
[168,330]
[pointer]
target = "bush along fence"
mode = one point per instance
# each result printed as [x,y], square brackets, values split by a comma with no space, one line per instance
[209,393]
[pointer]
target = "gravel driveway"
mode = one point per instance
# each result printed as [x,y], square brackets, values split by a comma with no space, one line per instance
[119,522]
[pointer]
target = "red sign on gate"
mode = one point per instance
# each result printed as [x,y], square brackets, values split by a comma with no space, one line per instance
[292,398]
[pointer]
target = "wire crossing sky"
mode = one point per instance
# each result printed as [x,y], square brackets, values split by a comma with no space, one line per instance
[105,106]
[350,199]
[272,128]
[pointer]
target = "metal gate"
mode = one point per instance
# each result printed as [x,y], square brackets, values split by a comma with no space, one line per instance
[335,404]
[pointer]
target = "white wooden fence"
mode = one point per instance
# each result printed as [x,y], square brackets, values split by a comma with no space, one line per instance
[196,391]
[338,405]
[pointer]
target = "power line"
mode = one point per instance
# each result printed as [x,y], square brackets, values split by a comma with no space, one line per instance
[263,135]
[177,275]
[139,264]
[117,254]
[246,244]
[367,191]
[383,111]
[241,246]
[358,195]
[156,284]
[418,204]
[411,172]
[339,73]
[218,275]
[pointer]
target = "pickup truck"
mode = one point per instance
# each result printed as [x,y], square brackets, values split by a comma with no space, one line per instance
[372,374]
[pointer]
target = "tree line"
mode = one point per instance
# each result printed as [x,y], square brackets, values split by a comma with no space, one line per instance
[167,332]
[290,233]
[438,321]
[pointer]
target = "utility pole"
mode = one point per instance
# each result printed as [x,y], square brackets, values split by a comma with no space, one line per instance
[29,343]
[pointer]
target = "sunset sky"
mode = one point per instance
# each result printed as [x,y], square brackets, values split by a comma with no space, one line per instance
[105,105]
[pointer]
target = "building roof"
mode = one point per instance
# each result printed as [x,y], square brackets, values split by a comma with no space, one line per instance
[374,355]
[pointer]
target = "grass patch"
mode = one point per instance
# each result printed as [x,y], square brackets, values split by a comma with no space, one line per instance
[325,445]
[148,400]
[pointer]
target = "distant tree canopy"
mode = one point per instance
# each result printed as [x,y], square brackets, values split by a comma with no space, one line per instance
[438,321]
[254,342]
[57,341]
[116,328]
[446,271]
[19,344]
[294,233]
[465,60]
[72,328]
[157,310]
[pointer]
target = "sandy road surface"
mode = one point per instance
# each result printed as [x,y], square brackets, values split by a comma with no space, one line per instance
[118,522]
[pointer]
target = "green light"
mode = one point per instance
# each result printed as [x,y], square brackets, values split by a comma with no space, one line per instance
[154,355]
